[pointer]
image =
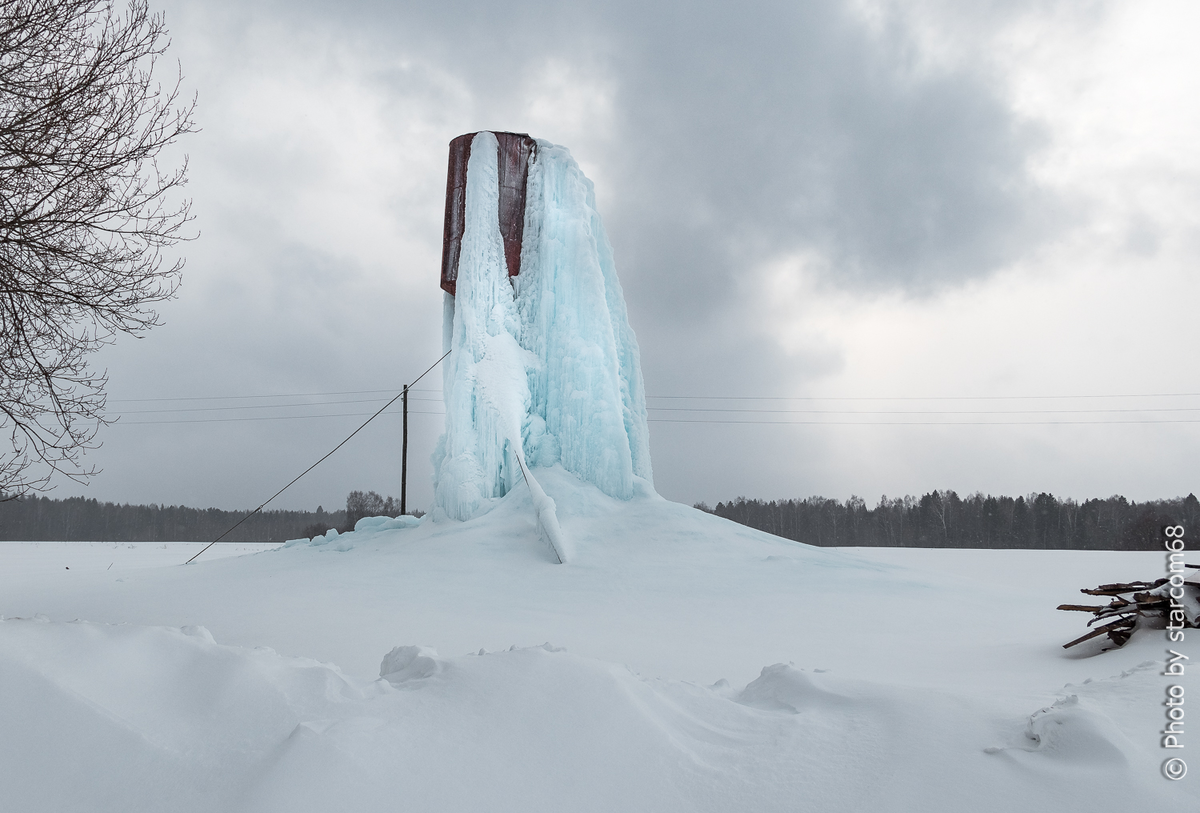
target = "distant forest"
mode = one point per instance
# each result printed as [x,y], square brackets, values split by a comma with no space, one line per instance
[942,519]
[77,519]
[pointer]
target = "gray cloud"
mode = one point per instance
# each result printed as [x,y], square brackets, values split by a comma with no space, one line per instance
[747,132]
[791,126]
[737,135]
[777,124]
[758,129]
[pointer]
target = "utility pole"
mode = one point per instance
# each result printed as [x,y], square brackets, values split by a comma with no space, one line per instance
[404,460]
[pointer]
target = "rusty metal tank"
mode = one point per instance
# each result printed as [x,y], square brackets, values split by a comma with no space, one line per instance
[515,150]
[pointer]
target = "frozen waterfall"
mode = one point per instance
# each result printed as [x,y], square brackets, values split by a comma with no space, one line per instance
[545,367]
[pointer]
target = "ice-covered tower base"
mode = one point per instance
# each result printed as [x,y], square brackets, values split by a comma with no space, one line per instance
[544,365]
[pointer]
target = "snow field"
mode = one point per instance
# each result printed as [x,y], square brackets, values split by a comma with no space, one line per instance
[33,559]
[145,715]
[851,682]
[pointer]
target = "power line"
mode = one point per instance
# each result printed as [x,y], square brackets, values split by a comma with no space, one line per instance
[322,460]
[249,406]
[922,423]
[264,418]
[928,411]
[701,421]
[692,410]
[698,410]
[237,397]
[919,397]
[265,406]
[697,397]
[831,412]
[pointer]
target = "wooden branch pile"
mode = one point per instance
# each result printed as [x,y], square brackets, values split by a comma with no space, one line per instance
[1131,601]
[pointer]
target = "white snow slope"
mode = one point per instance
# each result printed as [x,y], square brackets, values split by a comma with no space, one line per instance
[707,667]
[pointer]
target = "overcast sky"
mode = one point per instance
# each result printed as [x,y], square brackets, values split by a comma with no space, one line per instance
[904,246]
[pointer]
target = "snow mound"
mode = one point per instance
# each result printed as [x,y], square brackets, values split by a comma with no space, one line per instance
[144,714]
[782,687]
[407,663]
[363,529]
[376,524]
[120,717]
[331,539]
[1070,731]
[1085,727]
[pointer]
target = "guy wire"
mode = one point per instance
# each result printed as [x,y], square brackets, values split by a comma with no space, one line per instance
[319,462]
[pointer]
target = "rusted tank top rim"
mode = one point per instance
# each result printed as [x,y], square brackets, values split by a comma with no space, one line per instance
[514,153]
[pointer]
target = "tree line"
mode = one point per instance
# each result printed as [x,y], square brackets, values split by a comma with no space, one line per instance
[77,519]
[942,519]
[939,519]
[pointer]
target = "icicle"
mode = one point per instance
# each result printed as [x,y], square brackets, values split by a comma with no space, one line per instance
[546,369]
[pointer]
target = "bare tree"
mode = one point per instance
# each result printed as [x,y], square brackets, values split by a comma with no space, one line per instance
[85,212]
[361,504]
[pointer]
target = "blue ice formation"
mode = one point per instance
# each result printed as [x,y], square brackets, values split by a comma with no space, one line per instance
[544,364]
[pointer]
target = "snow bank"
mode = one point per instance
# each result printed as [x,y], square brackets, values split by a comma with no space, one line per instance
[364,529]
[849,684]
[545,366]
[1087,725]
[125,718]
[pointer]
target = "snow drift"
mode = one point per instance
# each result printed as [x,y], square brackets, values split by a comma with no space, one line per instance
[154,718]
[849,684]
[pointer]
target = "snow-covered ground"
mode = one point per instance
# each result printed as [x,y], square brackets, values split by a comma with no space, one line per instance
[22,561]
[678,662]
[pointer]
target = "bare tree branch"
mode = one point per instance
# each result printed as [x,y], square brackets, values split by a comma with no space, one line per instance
[85,212]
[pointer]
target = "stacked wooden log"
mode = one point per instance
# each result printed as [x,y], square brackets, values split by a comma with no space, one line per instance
[1131,603]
